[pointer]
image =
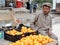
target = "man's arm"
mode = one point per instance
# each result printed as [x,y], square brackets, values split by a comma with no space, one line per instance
[13,17]
[50,29]
[33,23]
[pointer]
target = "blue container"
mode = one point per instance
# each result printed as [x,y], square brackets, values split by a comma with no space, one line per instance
[1,34]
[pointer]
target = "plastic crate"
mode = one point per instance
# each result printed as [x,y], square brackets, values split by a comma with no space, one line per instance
[11,37]
[31,33]
[8,28]
[20,27]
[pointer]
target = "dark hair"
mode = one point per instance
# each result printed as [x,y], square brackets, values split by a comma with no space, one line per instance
[46,6]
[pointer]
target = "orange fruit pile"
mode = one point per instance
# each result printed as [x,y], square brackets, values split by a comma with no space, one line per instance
[25,29]
[34,40]
[14,32]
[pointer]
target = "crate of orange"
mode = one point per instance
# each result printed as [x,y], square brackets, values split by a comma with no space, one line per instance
[28,31]
[35,40]
[12,35]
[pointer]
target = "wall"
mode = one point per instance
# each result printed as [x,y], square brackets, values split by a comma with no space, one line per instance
[2,3]
[54,4]
[58,1]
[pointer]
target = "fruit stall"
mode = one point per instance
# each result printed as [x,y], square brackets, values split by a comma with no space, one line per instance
[26,36]
[10,35]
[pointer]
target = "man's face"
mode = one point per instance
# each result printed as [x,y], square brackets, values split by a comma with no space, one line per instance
[46,9]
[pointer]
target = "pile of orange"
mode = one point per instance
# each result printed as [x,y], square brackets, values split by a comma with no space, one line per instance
[14,32]
[34,40]
[25,29]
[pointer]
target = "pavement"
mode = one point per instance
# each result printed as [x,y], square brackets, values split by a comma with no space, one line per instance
[56,28]
[26,18]
[4,42]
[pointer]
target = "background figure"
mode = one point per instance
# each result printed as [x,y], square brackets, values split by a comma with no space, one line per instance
[31,7]
[11,4]
[34,7]
[28,5]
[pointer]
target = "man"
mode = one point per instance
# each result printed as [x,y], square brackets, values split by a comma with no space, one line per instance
[31,6]
[11,4]
[43,22]
[28,5]
[34,7]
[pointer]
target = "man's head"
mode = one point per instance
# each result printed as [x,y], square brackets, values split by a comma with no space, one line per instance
[46,8]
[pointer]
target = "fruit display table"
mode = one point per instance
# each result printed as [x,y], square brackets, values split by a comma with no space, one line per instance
[15,37]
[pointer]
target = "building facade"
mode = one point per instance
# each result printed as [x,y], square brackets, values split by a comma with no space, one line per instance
[2,3]
[5,3]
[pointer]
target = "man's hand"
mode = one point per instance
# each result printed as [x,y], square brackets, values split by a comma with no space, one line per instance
[18,21]
[49,32]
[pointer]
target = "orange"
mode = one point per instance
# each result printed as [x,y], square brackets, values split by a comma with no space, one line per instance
[46,41]
[43,42]
[38,44]
[8,32]
[50,40]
